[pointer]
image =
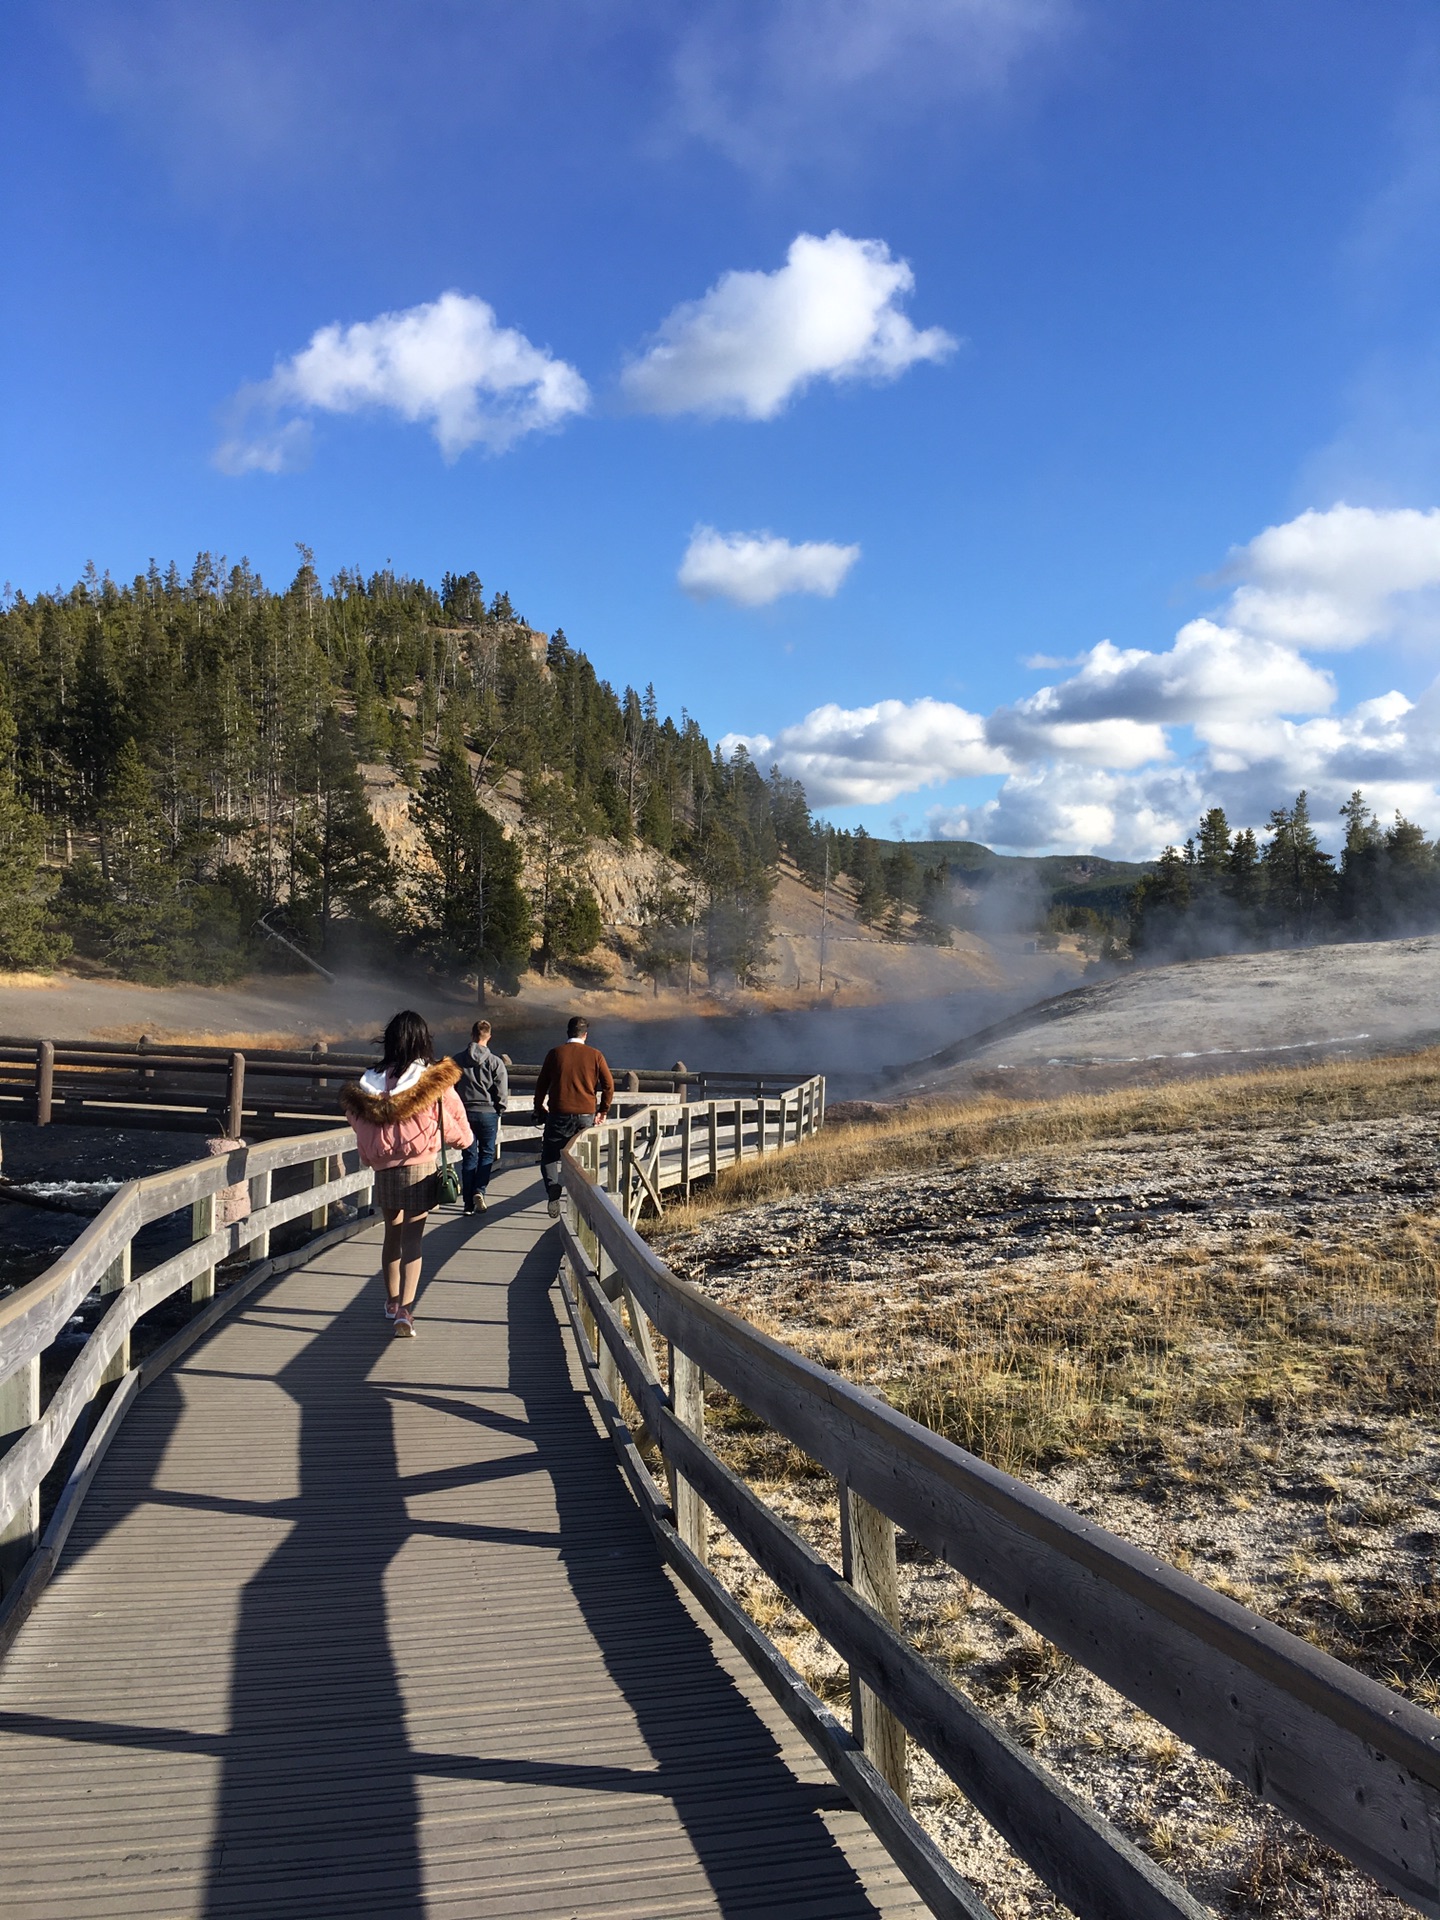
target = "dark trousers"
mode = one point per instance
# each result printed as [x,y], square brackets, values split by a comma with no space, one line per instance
[477,1162]
[560,1130]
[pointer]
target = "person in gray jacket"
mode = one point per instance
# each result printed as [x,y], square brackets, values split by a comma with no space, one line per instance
[484,1087]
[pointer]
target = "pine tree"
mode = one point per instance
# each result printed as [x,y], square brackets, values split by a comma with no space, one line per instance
[1244,882]
[26,885]
[902,877]
[472,910]
[1299,877]
[1212,846]
[865,869]
[571,926]
[342,860]
[1362,862]
[1159,907]
[665,919]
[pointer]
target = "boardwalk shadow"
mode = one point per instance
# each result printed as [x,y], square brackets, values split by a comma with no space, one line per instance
[318,1808]
[317,1805]
[754,1827]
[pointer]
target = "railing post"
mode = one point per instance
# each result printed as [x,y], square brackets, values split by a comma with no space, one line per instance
[739,1131]
[44,1082]
[687,1403]
[867,1545]
[627,1193]
[712,1128]
[587,1318]
[19,1410]
[235,1097]
[319,1174]
[819,1101]
[259,1247]
[202,1225]
[604,1358]
[680,1085]
[612,1156]
[116,1277]
[760,1125]
[685,1150]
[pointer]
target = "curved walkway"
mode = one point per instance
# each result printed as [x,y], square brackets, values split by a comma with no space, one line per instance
[351,1625]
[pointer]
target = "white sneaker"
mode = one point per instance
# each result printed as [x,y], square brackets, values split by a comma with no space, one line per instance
[552,1207]
[481,1205]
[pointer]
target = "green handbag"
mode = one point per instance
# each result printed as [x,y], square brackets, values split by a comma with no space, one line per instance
[449,1175]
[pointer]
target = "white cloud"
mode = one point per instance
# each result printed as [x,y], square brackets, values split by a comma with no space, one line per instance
[445,364]
[1389,747]
[1340,578]
[859,756]
[1086,809]
[1115,710]
[1125,752]
[806,81]
[752,569]
[755,340]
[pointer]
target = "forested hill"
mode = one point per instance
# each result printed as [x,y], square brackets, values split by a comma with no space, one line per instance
[181,762]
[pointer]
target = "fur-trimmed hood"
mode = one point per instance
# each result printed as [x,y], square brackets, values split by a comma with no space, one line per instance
[362,1102]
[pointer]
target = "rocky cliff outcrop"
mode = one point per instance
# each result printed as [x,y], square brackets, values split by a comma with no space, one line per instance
[620,876]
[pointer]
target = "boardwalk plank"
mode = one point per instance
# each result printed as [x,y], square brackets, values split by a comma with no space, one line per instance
[357,1626]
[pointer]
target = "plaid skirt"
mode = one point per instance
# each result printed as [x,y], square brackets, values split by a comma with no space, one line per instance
[412,1187]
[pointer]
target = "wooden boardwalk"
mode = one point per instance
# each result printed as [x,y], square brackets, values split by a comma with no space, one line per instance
[350,1625]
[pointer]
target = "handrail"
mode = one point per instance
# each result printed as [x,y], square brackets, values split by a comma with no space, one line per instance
[32,1317]
[267,1090]
[667,1147]
[1356,1763]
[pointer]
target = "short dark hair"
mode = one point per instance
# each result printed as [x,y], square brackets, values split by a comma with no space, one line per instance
[407,1039]
[480,1026]
[576,1025]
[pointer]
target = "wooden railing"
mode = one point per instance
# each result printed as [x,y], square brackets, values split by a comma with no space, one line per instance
[32,1317]
[261,1092]
[1354,1762]
[639,1157]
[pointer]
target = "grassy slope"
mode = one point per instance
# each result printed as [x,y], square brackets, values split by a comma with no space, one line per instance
[1259,1406]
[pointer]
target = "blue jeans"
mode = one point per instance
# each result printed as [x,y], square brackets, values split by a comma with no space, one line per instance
[478,1159]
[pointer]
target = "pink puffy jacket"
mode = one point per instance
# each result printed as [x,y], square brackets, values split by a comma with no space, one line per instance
[395,1121]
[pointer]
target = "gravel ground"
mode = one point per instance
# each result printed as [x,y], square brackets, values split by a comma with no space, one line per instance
[1321,1512]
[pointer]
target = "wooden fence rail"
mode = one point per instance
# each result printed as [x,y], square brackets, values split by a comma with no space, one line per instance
[32,1317]
[1351,1760]
[261,1092]
[641,1156]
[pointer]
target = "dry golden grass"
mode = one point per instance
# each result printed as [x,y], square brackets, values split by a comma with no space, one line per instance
[1121,1354]
[1037,1371]
[1195,1375]
[917,1137]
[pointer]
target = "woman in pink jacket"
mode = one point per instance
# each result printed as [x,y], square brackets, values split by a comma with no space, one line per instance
[398,1110]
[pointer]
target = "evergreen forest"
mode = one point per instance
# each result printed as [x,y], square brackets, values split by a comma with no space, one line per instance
[182,796]
[1226,891]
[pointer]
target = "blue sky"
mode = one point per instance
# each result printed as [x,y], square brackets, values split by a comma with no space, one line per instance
[830,363]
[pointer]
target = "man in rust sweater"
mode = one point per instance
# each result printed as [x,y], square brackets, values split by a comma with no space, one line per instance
[574,1089]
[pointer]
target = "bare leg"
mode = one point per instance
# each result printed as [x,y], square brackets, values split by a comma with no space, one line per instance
[411,1234]
[390,1254]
